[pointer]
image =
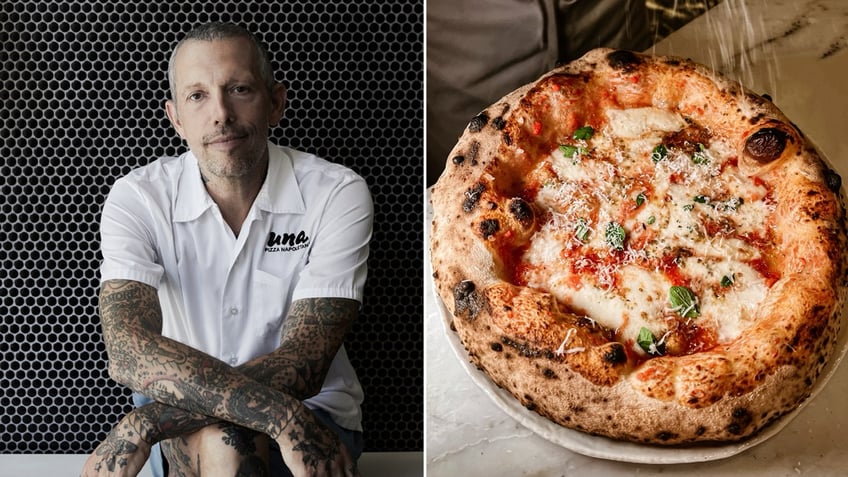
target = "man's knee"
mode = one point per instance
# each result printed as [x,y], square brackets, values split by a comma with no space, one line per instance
[232,438]
[219,450]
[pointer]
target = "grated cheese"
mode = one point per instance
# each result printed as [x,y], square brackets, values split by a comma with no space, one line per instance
[627,289]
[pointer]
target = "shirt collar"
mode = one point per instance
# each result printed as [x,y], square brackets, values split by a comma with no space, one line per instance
[280,193]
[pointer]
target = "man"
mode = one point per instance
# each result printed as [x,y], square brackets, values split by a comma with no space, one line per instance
[230,276]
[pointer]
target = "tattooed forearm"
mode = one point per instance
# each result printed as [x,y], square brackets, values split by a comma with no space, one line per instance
[123,451]
[157,421]
[313,444]
[312,334]
[178,375]
[114,452]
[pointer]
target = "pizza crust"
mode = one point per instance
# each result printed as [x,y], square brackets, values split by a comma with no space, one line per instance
[569,368]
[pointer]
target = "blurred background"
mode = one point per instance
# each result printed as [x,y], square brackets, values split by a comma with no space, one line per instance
[667,16]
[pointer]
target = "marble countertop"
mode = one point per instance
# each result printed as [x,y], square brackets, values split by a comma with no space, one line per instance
[796,51]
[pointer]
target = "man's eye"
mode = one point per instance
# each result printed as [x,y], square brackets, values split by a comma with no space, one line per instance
[240,89]
[195,96]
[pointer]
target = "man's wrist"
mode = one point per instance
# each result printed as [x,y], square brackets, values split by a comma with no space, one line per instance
[140,426]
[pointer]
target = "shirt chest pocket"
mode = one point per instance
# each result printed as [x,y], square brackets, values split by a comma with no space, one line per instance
[270,297]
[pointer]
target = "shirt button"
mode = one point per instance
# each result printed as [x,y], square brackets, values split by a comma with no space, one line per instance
[234,311]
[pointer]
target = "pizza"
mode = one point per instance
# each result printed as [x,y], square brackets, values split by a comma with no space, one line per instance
[636,247]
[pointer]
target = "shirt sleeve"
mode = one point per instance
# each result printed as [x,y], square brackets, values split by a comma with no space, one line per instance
[337,264]
[126,238]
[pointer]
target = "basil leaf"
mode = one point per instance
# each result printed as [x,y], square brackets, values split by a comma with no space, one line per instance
[568,151]
[688,207]
[660,152]
[582,230]
[640,199]
[615,235]
[648,342]
[727,280]
[683,302]
[701,199]
[586,132]
[700,156]
[651,220]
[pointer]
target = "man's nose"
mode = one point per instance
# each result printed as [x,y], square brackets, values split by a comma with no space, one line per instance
[223,112]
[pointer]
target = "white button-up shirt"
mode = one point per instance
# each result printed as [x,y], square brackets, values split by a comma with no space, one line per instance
[305,236]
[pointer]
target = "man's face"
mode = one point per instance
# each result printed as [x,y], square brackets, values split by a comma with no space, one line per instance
[222,106]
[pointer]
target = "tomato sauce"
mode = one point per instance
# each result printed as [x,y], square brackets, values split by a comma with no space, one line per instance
[700,339]
[669,265]
[514,268]
[762,267]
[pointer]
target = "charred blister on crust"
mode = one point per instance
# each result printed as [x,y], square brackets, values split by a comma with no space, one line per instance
[615,354]
[624,60]
[741,419]
[766,145]
[489,227]
[472,196]
[521,210]
[499,123]
[833,180]
[467,301]
[473,149]
[470,155]
[525,349]
[666,435]
[756,99]
[478,122]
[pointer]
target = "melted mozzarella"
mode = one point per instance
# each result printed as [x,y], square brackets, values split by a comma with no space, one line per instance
[636,122]
[699,211]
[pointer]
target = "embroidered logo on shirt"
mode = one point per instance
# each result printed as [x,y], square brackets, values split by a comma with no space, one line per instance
[286,242]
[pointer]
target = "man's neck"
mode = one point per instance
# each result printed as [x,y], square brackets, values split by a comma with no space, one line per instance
[235,196]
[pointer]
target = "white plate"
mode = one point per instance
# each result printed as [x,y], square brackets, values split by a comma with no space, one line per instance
[605,448]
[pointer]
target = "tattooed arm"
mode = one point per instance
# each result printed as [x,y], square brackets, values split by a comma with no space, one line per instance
[176,374]
[312,334]
[147,362]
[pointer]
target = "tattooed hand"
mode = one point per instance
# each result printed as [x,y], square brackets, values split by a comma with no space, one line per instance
[122,454]
[310,449]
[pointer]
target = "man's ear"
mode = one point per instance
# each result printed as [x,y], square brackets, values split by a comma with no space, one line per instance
[171,110]
[278,103]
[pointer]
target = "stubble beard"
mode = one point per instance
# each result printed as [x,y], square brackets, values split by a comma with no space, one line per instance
[235,164]
[231,166]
